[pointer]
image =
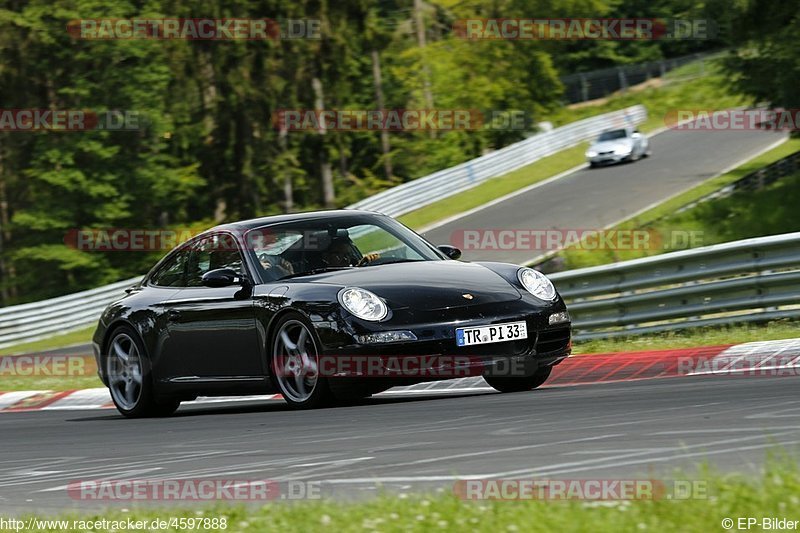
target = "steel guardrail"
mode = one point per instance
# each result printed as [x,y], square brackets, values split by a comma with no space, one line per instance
[45,318]
[752,280]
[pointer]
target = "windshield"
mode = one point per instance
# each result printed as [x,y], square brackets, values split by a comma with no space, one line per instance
[306,247]
[612,135]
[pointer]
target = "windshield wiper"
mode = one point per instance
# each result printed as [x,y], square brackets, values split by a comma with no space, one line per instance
[393,262]
[315,271]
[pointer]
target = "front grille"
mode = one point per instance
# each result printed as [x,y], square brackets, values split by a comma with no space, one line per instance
[552,340]
[448,347]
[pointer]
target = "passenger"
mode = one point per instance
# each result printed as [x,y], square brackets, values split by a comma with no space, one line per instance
[342,253]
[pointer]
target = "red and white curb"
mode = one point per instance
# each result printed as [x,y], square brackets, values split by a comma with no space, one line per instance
[781,357]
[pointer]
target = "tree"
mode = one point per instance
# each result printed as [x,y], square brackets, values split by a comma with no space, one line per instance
[767,66]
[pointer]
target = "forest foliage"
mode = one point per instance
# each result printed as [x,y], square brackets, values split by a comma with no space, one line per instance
[206,148]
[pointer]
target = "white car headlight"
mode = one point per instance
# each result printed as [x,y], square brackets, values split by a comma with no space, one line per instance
[591,153]
[363,304]
[536,283]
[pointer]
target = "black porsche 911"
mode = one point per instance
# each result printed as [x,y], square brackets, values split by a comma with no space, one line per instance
[319,307]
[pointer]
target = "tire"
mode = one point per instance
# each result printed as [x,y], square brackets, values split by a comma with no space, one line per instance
[129,377]
[294,361]
[519,384]
[592,164]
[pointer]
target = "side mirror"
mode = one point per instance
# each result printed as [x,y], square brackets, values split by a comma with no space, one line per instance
[221,277]
[636,135]
[450,251]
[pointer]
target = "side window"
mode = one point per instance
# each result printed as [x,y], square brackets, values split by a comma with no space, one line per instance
[171,273]
[211,253]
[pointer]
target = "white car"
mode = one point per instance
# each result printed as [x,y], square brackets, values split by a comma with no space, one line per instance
[614,146]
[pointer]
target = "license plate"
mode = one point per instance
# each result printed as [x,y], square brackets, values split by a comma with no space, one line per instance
[510,331]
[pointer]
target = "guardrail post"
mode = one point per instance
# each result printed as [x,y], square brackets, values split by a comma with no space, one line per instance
[584,88]
[762,174]
[623,81]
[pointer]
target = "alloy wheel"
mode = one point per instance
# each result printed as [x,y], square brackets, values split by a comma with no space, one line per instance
[295,361]
[124,371]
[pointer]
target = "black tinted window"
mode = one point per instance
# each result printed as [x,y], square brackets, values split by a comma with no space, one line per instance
[612,135]
[171,273]
[211,253]
[297,248]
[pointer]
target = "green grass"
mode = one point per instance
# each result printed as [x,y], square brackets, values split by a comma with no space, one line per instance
[733,334]
[774,494]
[81,336]
[707,187]
[712,222]
[707,92]
[84,376]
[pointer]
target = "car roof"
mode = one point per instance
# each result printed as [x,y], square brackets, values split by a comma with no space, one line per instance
[244,225]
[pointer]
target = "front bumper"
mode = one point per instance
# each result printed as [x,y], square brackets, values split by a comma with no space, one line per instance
[435,354]
[605,159]
[97,338]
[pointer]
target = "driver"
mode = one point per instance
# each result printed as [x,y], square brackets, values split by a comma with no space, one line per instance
[342,252]
[276,263]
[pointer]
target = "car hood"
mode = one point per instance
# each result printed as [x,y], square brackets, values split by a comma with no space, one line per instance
[610,146]
[426,285]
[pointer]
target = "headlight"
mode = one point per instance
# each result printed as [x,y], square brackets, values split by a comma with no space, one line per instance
[536,283]
[363,304]
[591,153]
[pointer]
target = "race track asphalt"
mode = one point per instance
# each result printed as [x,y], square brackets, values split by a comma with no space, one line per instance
[596,198]
[603,431]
